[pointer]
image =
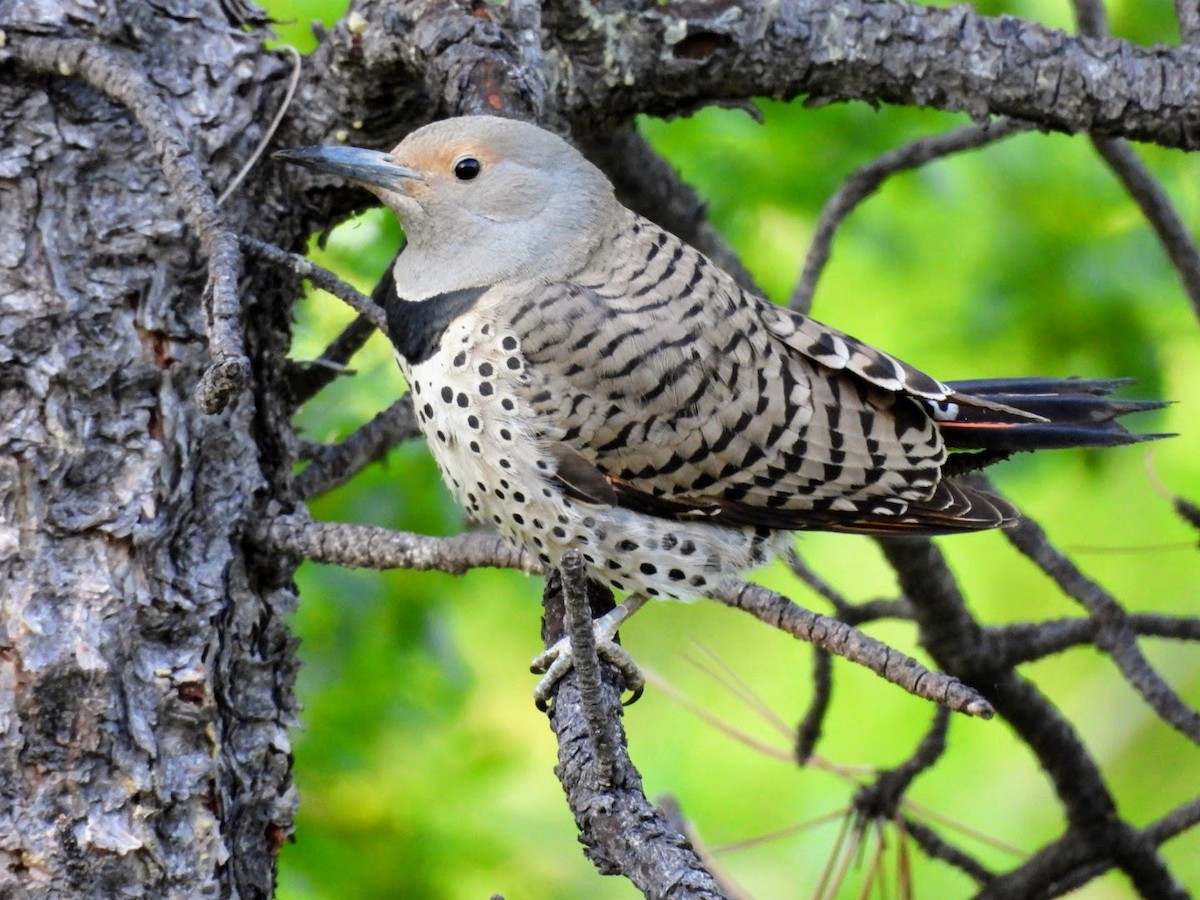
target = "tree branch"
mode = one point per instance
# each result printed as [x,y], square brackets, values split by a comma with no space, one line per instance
[867,179]
[881,799]
[601,719]
[1146,192]
[371,547]
[365,306]
[120,76]
[622,832]
[673,55]
[955,641]
[1013,645]
[843,640]
[1114,633]
[937,847]
[335,465]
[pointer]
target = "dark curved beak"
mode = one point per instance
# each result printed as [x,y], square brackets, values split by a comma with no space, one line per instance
[371,167]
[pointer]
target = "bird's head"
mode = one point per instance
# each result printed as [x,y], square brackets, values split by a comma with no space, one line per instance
[482,200]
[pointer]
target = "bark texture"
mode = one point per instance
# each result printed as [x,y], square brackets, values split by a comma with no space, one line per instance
[145,670]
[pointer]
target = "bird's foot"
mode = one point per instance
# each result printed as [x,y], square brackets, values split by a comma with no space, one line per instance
[556,661]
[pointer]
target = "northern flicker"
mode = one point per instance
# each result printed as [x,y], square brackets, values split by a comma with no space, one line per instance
[586,379]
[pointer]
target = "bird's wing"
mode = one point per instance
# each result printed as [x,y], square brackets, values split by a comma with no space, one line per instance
[654,371]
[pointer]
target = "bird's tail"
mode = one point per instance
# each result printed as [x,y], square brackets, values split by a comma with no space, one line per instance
[997,417]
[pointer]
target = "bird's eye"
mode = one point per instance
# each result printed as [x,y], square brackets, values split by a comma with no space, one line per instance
[467,168]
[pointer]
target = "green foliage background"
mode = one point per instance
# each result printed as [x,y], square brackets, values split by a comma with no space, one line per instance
[425,770]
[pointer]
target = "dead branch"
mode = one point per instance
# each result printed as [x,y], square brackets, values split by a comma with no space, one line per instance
[336,464]
[121,76]
[371,547]
[622,832]
[843,640]
[868,178]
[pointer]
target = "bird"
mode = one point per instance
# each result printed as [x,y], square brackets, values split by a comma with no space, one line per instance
[588,381]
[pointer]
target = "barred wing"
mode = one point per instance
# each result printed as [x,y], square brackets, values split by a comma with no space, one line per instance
[690,397]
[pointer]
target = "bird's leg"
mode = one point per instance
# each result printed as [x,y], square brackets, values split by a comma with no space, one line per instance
[557,661]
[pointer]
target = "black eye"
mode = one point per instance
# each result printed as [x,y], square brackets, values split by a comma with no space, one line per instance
[467,168]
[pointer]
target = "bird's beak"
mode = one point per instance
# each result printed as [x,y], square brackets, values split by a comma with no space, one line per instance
[369,167]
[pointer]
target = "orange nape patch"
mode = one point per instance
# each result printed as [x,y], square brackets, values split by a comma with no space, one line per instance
[439,160]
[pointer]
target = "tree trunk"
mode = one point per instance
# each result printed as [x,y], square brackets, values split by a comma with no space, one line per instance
[145,667]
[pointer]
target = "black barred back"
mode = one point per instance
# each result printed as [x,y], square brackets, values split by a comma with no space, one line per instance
[696,398]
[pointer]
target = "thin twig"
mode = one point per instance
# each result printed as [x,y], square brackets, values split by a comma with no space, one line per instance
[881,798]
[1114,635]
[1013,645]
[120,76]
[269,134]
[306,378]
[865,180]
[844,640]
[1156,206]
[808,732]
[321,278]
[599,718]
[1092,20]
[338,463]
[306,381]
[823,588]
[1175,823]
[848,612]
[937,847]
[933,815]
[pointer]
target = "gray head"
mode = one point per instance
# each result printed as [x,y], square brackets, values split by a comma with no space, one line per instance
[482,200]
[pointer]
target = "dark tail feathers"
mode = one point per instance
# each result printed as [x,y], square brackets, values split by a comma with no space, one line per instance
[1006,415]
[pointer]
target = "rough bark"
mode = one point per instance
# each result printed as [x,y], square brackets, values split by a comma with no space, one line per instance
[145,669]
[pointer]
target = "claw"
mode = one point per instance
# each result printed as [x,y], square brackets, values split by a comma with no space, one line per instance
[556,661]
